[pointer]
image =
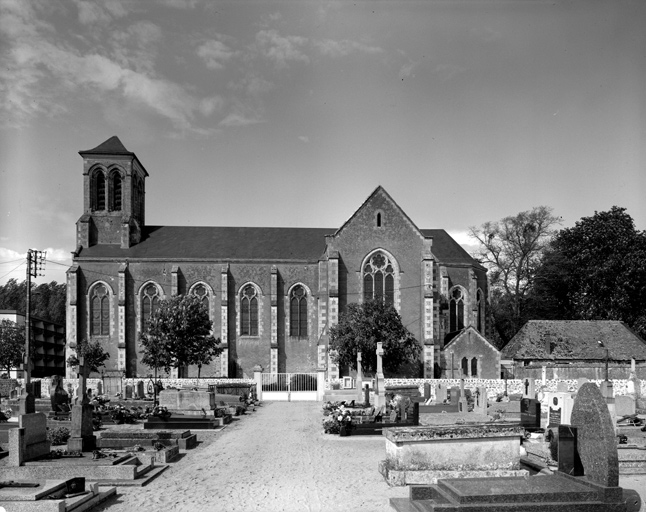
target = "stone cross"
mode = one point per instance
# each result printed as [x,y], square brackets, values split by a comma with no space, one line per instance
[380,397]
[380,353]
[359,380]
[82,384]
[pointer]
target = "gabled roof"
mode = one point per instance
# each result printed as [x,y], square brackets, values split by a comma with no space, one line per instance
[447,250]
[112,146]
[379,190]
[465,333]
[575,340]
[219,244]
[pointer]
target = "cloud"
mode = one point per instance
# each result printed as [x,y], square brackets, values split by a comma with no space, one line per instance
[447,71]
[181,4]
[462,237]
[215,54]
[281,49]
[304,139]
[407,69]
[331,48]
[35,71]
[240,119]
[104,12]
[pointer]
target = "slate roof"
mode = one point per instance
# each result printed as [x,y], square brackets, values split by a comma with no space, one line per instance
[112,146]
[575,340]
[245,243]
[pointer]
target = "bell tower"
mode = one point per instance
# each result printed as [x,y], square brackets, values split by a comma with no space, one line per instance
[113,196]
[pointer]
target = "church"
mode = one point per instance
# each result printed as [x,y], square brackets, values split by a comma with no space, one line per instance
[272,293]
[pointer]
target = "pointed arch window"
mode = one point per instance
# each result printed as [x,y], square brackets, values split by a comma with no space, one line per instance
[200,291]
[249,311]
[116,192]
[474,367]
[298,312]
[100,311]
[480,311]
[98,191]
[465,367]
[149,304]
[379,279]
[456,310]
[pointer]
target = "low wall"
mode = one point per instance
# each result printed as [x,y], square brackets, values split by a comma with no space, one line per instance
[167,383]
[497,387]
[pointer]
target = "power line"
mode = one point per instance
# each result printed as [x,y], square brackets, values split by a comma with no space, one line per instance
[20,265]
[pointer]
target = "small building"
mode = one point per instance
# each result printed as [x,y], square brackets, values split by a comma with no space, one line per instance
[470,355]
[570,349]
[48,340]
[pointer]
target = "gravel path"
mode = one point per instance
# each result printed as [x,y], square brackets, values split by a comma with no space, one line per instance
[274,459]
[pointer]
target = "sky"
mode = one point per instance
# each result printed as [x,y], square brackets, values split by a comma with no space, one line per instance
[291,113]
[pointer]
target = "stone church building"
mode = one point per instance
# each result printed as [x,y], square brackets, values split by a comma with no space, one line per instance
[272,293]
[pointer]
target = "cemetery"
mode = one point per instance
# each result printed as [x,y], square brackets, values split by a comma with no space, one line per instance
[453,444]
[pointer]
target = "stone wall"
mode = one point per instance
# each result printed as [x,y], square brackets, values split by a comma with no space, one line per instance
[497,386]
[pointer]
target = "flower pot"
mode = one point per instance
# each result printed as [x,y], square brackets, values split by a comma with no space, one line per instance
[344,430]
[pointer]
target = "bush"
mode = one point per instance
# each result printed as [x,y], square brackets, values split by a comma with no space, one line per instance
[58,435]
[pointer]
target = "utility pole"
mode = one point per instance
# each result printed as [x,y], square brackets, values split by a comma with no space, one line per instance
[35,265]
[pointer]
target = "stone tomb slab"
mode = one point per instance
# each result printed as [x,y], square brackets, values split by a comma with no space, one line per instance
[545,493]
[597,442]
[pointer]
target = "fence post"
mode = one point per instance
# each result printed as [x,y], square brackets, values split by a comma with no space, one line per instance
[320,384]
[257,377]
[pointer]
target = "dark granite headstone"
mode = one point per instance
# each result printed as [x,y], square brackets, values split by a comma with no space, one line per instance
[554,414]
[596,440]
[530,413]
[129,391]
[568,455]
[427,390]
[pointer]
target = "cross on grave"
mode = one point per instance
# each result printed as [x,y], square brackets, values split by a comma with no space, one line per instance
[82,381]
[526,386]
[359,381]
[380,398]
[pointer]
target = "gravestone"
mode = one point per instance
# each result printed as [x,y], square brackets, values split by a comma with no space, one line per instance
[366,394]
[129,391]
[140,390]
[427,391]
[480,400]
[634,385]
[568,454]
[559,409]
[596,440]
[625,405]
[441,393]
[99,388]
[29,440]
[528,389]
[530,413]
[82,438]
[454,395]
[543,375]
[463,406]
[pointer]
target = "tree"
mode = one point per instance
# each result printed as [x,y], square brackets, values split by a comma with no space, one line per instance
[512,249]
[12,344]
[93,353]
[361,327]
[47,299]
[179,334]
[595,270]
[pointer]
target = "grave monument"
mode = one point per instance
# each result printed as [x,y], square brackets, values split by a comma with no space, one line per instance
[591,434]
[82,438]
[380,390]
